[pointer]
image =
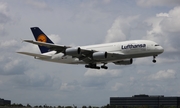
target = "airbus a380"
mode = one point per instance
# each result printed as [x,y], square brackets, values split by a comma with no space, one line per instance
[119,53]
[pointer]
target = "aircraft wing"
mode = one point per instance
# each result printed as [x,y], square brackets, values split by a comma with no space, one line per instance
[59,48]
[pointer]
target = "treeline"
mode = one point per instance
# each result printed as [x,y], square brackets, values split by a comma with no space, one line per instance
[106,106]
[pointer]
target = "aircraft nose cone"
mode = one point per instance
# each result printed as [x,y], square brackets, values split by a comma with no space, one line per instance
[161,49]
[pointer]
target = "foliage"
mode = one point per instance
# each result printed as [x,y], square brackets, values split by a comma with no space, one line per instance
[14,105]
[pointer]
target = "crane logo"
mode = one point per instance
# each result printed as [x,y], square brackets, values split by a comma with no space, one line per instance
[42,38]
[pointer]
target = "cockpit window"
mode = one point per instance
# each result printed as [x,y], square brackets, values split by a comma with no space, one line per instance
[156,45]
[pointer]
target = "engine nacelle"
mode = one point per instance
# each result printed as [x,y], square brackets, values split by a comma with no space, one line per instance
[124,62]
[73,51]
[99,55]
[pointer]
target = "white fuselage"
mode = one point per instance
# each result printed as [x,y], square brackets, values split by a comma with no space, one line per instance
[129,49]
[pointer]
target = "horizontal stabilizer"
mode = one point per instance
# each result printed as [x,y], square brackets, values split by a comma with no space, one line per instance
[33,54]
[40,43]
[59,48]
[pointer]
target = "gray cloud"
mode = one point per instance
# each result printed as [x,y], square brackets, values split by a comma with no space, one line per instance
[96,83]
[120,29]
[150,3]
[164,74]
[35,80]
[38,4]
[10,63]
[4,18]
[11,66]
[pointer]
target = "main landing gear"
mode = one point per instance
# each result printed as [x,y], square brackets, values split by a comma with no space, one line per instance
[104,66]
[94,66]
[154,57]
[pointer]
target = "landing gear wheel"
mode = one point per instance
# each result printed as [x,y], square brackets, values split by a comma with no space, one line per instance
[97,67]
[92,66]
[154,61]
[104,67]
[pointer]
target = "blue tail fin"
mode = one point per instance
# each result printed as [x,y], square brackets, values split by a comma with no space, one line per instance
[40,36]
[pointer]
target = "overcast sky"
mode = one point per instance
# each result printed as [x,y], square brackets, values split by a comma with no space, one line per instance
[84,22]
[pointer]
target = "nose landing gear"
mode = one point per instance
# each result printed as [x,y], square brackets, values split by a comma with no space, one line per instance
[154,57]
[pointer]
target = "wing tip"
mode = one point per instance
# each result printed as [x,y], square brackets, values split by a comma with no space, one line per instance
[27,40]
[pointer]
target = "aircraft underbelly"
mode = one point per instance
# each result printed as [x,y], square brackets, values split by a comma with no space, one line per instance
[128,56]
[70,60]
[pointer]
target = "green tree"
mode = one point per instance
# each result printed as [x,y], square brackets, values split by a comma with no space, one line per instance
[28,105]
[84,107]
[68,107]
[89,107]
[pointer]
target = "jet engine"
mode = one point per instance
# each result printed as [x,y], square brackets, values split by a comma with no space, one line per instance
[124,62]
[73,51]
[99,55]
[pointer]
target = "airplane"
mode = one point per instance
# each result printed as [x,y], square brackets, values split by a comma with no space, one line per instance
[119,53]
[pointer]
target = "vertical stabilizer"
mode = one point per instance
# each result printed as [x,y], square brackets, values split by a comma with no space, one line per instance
[40,36]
